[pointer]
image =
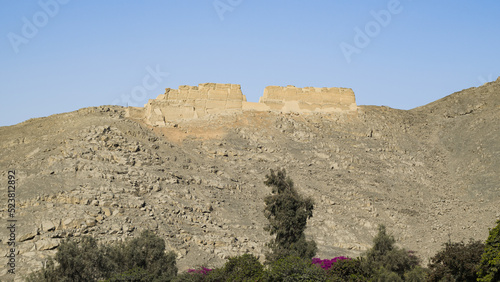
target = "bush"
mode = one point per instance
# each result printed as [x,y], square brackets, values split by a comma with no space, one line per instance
[327,263]
[287,213]
[145,252]
[417,274]
[456,262]
[136,274]
[47,273]
[83,261]
[302,248]
[246,267]
[348,270]
[293,268]
[385,257]
[385,275]
[489,268]
[202,271]
[140,259]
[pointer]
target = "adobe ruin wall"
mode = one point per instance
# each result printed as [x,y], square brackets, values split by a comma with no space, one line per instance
[191,102]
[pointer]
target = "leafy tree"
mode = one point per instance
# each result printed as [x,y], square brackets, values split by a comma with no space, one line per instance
[135,274]
[46,274]
[417,274]
[145,252]
[489,268]
[385,275]
[83,261]
[287,212]
[246,267]
[456,262]
[348,270]
[140,259]
[385,257]
[293,268]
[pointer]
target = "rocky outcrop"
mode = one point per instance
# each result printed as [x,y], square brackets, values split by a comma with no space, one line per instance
[191,102]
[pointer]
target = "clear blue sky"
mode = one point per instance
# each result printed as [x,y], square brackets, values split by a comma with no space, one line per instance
[61,55]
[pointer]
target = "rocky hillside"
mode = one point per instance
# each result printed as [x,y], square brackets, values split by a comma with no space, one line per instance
[429,174]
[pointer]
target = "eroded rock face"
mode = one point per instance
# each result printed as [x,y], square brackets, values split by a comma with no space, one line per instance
[192,102]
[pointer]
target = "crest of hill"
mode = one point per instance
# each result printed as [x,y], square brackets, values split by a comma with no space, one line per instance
[465,123]
[466,101]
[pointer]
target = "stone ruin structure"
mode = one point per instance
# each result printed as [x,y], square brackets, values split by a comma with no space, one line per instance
[309,99]
[192,102]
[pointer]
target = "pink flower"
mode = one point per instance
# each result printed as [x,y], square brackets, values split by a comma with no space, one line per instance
[203,270]
[327,263]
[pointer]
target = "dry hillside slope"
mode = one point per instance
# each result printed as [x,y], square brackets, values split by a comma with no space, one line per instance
[429,174]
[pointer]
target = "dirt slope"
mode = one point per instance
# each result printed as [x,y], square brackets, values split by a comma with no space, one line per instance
[429,174]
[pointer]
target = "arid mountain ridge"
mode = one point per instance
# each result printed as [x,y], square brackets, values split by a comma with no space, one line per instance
[429,174]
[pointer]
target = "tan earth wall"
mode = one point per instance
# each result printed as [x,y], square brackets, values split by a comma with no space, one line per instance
[309,99]
[190,102]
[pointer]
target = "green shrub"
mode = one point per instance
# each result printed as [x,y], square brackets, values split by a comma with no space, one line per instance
[140,259]
[456,262]
[246,267]
[385,275]
[386,257]
[489,268]
[145,252]
[287,212]
[417,274]
[47,273]
[294,268]
[135,274]
[83,261]
[382,244]
[348,270]
[302,248]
